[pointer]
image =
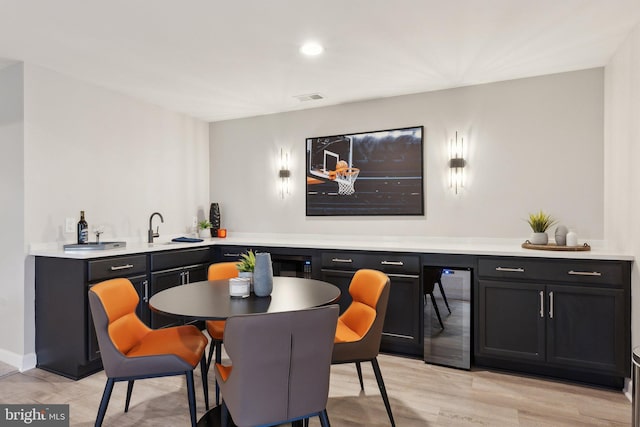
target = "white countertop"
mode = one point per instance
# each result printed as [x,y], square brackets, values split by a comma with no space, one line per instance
[440,245]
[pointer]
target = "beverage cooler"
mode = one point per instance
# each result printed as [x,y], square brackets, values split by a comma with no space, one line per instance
[447,316]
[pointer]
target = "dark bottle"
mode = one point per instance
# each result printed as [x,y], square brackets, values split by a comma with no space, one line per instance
[83,230]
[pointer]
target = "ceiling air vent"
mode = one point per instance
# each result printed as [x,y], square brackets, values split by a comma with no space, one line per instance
[309,97]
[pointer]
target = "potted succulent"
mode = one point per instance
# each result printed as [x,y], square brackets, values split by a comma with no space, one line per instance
[539,223]
[203,229]
[246,265]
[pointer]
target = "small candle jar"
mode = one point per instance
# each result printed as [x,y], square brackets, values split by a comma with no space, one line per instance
[222,233]
[239,287]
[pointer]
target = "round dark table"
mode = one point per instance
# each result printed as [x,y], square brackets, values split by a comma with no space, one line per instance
[210,300]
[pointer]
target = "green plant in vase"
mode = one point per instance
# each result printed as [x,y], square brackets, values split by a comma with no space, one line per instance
[246,265]
[539,223]
[203,228]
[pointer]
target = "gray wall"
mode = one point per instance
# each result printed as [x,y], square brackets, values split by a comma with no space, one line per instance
[533,144]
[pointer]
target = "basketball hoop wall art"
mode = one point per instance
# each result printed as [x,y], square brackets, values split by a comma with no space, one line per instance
[370,173]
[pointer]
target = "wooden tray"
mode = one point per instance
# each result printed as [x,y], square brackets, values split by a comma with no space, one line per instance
[554,247]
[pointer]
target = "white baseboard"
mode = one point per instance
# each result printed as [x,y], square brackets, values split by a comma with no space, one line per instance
[23,362]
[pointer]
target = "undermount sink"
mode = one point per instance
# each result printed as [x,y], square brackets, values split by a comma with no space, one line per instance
[95,246]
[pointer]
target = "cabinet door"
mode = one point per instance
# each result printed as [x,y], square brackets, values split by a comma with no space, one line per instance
[585,328]
[511,320]
[160,281]
[402,321]
[341,279]
[195,273]
[141,283]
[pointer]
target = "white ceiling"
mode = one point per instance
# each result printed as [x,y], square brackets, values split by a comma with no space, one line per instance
[217,59]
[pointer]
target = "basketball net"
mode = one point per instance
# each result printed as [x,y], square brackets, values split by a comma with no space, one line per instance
[345,178]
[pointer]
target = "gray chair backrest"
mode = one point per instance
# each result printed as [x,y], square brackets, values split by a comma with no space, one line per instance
[281,364]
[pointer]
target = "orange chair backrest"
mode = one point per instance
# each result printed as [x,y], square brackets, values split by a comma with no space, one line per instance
[365,289]
[120,299]
[223,270]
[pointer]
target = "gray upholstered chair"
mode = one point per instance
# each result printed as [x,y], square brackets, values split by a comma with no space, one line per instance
[215,328]
[359,329]
[130,350]
[280,366]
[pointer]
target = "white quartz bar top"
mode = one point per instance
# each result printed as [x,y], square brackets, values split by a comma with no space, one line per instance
[440,245]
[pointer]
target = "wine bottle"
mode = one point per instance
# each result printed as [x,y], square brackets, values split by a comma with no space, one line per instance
[83,230]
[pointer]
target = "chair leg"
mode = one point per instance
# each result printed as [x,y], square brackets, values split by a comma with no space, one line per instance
[444,296]
[224,416]
[129,391]
[324,418]
[359,369]
[106,395]
[383,390]
[218,360]
[205,382]
[212,347]
[306,422]
[191,394]
[435,307]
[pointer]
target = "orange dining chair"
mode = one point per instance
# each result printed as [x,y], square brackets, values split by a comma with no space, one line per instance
[130,350]
[218,271]
[280,367]
[359,329]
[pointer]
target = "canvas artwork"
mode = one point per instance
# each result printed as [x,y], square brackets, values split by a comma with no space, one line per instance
[369,173]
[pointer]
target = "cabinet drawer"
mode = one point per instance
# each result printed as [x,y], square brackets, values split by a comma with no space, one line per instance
[387,262]
[109,268]
[587,271]
[179,258]
[393,263]
[571,271]
[343,260]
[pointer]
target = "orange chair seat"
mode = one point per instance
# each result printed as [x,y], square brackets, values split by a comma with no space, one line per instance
[345,333]
[186,342]
[224,371]
[216,329]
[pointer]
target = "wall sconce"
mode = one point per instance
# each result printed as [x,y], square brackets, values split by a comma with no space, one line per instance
[284,173]
[456,163]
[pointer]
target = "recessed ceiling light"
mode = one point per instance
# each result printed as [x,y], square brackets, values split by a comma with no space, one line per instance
[311,49]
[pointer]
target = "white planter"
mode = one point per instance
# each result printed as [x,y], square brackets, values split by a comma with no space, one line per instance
[247,274]
[204,234]
[539,238]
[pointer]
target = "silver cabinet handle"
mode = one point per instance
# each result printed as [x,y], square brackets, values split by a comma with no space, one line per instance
[584,273]
[146,290]
[398,263]
[182,277]
[188,277]
[541,303]
[509,269]
[121,267]
[551,305]
[342,260]
[230,254]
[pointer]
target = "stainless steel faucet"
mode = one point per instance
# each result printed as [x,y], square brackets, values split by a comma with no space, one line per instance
[151,233]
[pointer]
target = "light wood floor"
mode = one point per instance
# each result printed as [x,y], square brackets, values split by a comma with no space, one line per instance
[420,394]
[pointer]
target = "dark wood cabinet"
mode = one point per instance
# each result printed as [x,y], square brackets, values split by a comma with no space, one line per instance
[564,318]
[65,337]
[585,328]
[176,268]
[510,320]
